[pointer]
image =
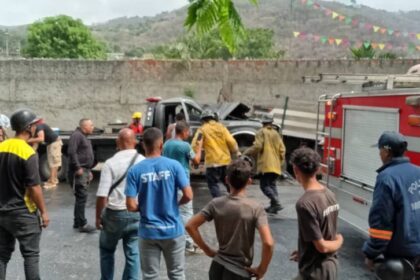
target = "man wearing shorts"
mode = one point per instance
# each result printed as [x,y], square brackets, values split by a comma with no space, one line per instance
[44,134]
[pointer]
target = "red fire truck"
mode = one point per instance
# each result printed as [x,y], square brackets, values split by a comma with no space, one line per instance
[353,123]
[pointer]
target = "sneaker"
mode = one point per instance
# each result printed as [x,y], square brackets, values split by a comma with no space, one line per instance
[87,228]
[274,209]
[193,249]
[48,186]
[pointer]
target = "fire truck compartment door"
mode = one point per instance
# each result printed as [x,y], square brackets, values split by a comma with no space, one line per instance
[361,129]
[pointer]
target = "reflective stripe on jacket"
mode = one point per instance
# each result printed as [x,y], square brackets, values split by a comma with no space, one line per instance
[394,217]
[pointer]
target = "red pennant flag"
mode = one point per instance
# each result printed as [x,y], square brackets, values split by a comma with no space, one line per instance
[328,12]
[346,42]
[368,26]
[303,2]
[383,30]
[317,6]
[412,35]
[331,41]
[397,33]
[389,46]
[316,38]
[341,18]
[355,22]
[374,45]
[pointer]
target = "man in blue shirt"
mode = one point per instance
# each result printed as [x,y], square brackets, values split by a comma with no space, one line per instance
[182,152]
[394,216]
[151,189]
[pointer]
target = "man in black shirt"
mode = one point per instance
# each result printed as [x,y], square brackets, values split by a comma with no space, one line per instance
[21,200]
[44,134]
[81,160]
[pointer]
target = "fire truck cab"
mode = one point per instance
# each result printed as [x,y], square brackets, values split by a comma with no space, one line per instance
[353,123]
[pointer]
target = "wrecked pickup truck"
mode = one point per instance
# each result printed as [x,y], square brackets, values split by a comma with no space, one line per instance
[161,113]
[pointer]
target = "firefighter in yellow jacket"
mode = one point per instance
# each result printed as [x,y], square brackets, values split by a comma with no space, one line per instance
[269,150]
[218,145]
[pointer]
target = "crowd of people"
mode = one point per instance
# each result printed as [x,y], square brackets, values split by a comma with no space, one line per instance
[146,201]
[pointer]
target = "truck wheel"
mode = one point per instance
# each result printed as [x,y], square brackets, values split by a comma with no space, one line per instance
[44,169]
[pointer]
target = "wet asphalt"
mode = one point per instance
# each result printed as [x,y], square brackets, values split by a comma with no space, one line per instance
[68,254]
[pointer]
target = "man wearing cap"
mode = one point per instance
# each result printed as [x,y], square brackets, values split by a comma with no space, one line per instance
[22,207]
[269,150]
[394,228]
[136,125]
[218,145]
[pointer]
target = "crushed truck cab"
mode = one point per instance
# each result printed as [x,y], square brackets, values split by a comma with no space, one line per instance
[161,113]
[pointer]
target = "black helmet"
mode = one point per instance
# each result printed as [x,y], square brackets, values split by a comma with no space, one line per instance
[22,119]
[207,114]
[266,119]
[394,269]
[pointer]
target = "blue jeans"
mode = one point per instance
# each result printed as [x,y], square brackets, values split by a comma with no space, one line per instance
[119,225]
[174,253]
[186,212]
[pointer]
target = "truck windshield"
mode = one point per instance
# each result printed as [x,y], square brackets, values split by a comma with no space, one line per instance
[193,112]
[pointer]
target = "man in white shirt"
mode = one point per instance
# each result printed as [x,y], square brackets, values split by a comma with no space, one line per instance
[112,217]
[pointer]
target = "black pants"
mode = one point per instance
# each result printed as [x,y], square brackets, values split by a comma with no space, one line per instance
[219,272]
[214,175]
[26,228]
[268,185]
[80,186]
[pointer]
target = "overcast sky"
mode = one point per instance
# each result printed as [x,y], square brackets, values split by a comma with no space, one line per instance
[17,12]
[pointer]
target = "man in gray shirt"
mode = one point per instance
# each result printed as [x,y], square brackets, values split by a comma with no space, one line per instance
[112,217]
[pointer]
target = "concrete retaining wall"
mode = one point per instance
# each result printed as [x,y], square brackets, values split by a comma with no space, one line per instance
[63,91]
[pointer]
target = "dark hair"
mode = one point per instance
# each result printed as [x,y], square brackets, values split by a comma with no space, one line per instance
[400,150]
[180,117]
[306,160]
[238,173]
[150,138]
[181,126]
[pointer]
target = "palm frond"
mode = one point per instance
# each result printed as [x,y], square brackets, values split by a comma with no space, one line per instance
[205,15]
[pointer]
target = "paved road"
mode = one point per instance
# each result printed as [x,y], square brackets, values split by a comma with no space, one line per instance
[67,254]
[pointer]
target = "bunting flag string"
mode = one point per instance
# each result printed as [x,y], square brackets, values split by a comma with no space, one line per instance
[345,42]
[356,23]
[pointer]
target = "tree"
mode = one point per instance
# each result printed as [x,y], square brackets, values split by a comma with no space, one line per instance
[258,43]
[363,52]
[62,37]
[388,55]
[205,15]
